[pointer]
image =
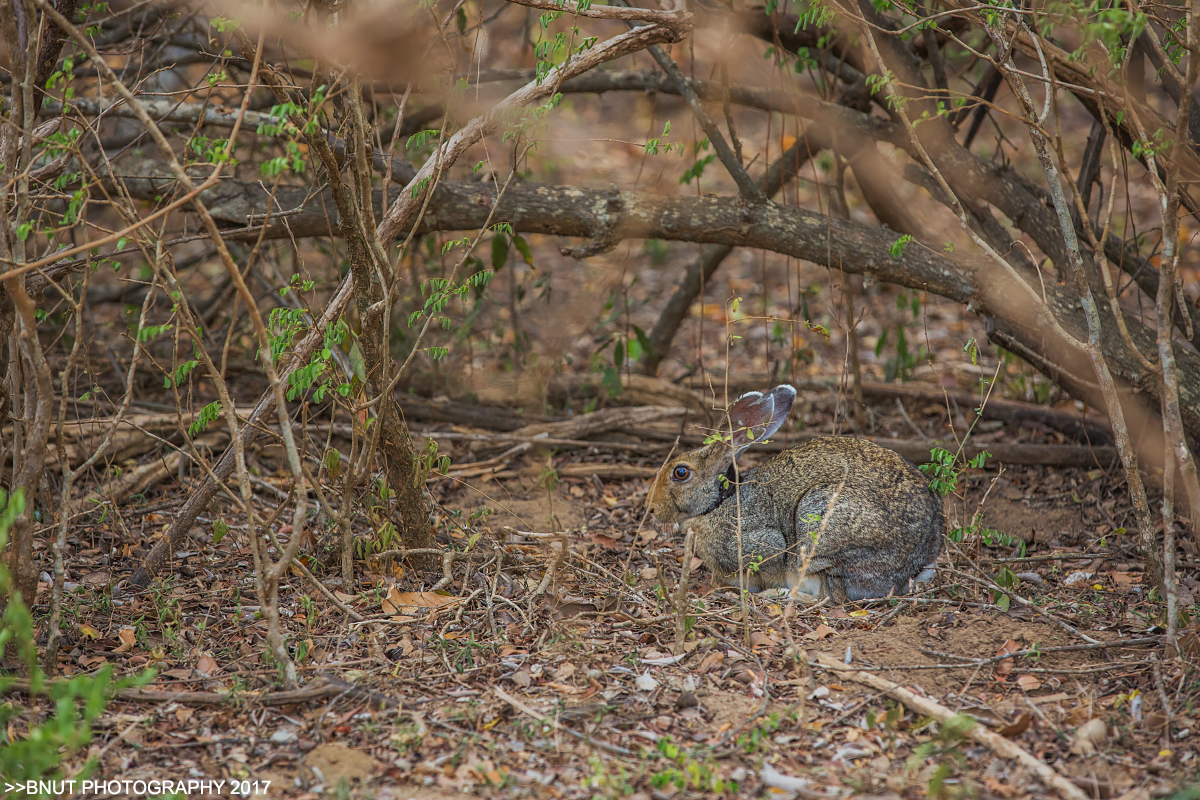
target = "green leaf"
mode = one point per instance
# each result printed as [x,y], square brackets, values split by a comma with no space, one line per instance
[357,363]
[634,348]
[207,415]
[897,248]
[499,252]
[523,248]
[152,332]
[644,341]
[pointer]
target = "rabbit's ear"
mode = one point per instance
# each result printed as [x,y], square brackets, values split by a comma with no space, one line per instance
[756,416]
[784,396]
[751,415]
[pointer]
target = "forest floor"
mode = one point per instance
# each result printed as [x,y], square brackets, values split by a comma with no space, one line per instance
[586,682]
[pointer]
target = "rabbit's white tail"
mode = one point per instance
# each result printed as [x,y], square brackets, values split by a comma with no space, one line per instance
[924,578]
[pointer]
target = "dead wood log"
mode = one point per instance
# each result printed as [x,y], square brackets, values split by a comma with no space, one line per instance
[1036,455]
[1092,429]
[548,441]
[142,477]
[137,434]
[602,421]
[917,451]
[636,390]
[603,471]
[494,418]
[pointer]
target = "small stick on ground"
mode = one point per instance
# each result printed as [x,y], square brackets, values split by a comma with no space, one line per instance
[994,741]
[1162,698]
[325,590]
[681,601]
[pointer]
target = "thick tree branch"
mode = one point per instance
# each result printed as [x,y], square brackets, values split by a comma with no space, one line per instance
[861,249]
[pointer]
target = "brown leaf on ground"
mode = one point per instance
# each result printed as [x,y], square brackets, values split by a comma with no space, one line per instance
[128,640]
[762,639]
[1009,647]
[711,661]
[1018,727]
[1028,683]
[397,600]
[820,632]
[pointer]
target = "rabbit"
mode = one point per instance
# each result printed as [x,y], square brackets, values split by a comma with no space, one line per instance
[869,517]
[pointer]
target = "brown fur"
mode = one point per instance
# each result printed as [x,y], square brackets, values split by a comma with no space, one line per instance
[884,527]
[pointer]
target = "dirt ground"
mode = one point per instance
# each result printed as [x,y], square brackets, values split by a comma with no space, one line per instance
[585,690]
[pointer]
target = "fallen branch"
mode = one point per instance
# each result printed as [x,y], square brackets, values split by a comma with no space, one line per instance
[636,390]
[493,418]
[142,477]
[1094,429]
[604,471]
[510,438]
[995,742]
[602,421]
[917,451]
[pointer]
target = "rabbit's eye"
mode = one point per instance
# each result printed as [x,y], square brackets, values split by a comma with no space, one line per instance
[681,473]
